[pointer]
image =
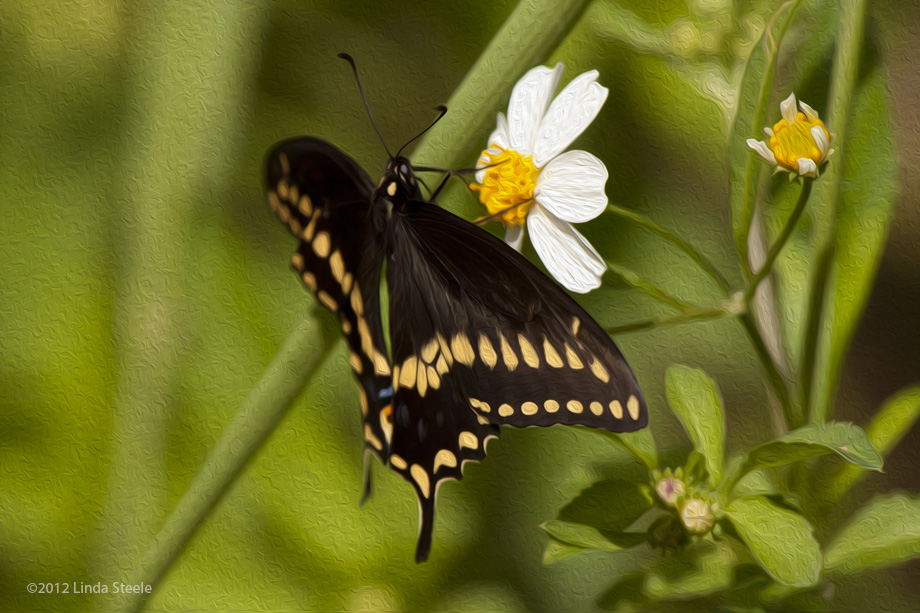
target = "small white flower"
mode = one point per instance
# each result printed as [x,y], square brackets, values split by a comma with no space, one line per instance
[524,174]
[799,143]
[697,516]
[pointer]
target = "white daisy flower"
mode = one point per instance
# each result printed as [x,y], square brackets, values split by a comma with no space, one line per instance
[799,143]
[524,174]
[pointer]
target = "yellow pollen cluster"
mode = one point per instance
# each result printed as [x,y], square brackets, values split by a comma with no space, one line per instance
[507,188]
[793,141]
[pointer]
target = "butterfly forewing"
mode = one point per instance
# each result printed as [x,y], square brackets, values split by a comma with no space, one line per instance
[323,197]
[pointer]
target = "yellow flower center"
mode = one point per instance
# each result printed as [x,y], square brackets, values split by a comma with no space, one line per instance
[793,141]
[507,188]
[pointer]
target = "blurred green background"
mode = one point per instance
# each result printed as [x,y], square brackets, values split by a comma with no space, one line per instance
[145,284]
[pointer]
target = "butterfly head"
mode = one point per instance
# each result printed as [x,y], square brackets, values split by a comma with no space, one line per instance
[398,184]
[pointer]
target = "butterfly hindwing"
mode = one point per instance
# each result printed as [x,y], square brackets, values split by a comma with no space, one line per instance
[481,338]
[323,196]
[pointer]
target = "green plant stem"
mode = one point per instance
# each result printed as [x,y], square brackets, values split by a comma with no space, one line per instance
[774,376]
[844,78]
[812,332]
[647,287]
[784,235]
[700,314]
[701,260]
[288,373]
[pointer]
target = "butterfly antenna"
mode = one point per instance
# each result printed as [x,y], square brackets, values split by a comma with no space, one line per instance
[443,110]
[354,69]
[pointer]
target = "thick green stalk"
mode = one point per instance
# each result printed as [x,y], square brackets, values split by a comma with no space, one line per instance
[527,37]
[289,372]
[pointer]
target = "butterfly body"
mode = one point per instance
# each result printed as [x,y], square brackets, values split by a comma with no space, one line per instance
[480,337]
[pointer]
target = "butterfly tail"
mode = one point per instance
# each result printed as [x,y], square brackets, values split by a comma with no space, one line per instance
[426,526]
[366,491]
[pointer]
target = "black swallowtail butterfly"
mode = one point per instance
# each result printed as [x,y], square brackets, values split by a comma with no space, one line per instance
[480,337]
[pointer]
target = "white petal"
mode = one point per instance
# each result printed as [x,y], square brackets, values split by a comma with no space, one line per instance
[567,255]
[821,140]
[571,187]
[807,168]
[809,112]
[765,153]
[769,131]
[787,108]
[571,112]
[529,101]
[498,138]
[514,236]
[500,135]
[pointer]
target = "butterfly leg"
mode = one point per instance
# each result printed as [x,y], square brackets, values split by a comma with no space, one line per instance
[444,181]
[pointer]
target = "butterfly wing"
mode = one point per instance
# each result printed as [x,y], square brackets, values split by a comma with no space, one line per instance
[323,196]
[482,338]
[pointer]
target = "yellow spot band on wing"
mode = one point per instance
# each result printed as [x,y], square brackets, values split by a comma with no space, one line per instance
[528,352]
[486,351]
[421,477]
[463,351]
[508,355]
[632,405]
[469,440]
[552,356]
[445,457]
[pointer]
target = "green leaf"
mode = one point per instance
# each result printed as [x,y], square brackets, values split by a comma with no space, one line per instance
[843,438]
[779,539]
[695,400]
[586,537]
[896,417]
[864,213]
[609,505]
[556,551]
[639,444]
[753,99]
[884,532]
